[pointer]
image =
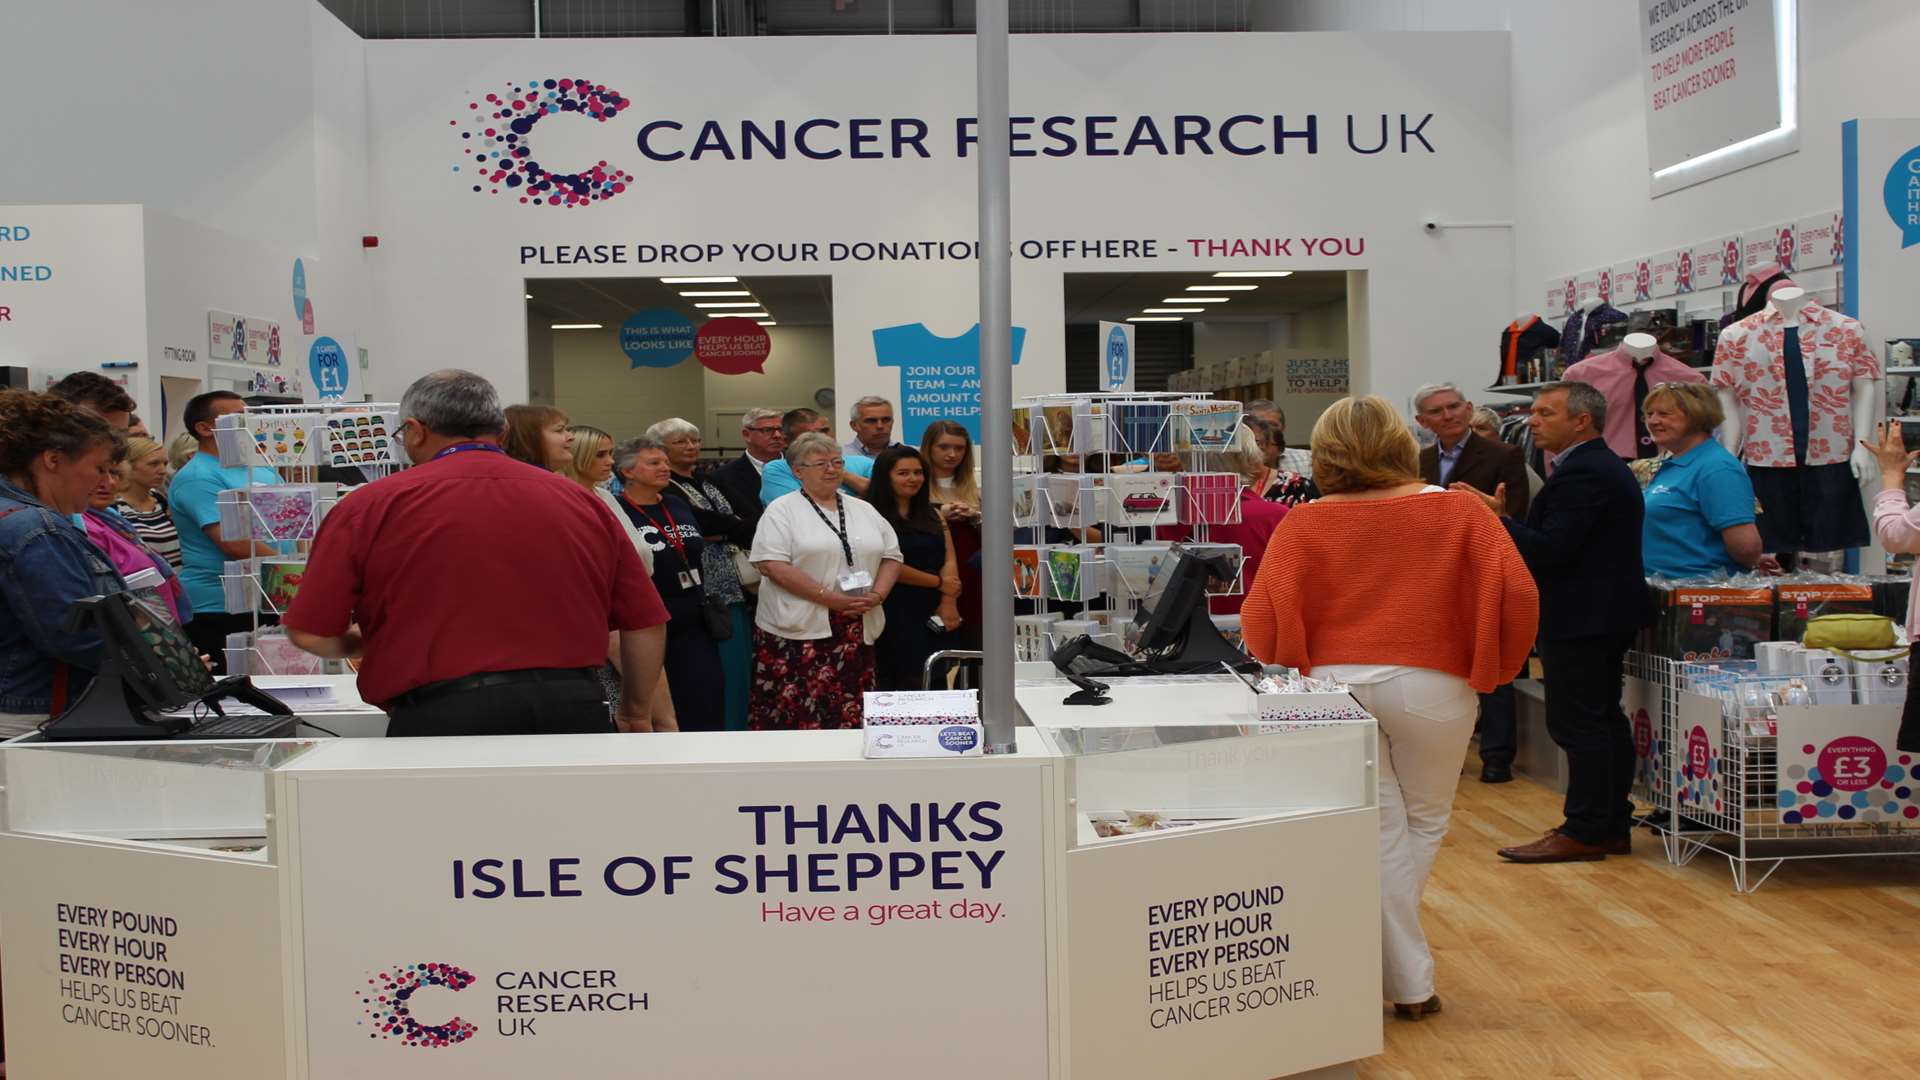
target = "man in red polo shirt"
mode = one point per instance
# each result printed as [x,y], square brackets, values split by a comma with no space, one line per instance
[479,590]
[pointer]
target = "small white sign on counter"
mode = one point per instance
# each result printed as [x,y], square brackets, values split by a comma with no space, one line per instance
[923,723]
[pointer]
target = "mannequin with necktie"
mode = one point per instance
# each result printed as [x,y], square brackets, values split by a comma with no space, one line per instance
[1624,376]
[1800,387]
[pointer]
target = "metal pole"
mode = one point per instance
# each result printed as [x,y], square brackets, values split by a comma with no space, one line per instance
[997,707]
[536,35]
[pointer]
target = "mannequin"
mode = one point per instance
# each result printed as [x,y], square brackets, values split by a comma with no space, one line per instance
[1866,401]
[1583,330]
[1807,480]
[1521,341]
[1624,376]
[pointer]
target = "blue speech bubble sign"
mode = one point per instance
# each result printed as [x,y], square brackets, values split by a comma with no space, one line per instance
[1902,196]
[1118,357]
[958,739]
[657,337]
[327,363]
[299,287]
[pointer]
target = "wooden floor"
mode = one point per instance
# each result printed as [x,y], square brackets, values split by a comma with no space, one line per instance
[1631,967]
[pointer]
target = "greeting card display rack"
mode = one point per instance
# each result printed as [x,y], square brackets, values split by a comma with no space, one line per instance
[1764,769]
[1105,487]
[319,451]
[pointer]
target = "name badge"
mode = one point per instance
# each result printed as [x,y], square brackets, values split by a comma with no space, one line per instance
[689,578]
[855,582]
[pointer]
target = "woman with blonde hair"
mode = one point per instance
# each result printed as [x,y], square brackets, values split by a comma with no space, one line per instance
[142,500]
[1330,601]
[1700,508]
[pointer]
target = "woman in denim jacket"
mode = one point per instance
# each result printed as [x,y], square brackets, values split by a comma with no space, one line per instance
[52,455]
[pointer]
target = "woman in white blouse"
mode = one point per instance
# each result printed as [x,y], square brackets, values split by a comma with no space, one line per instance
[826,562]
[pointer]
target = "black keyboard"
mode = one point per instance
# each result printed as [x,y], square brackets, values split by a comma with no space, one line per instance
[243,727]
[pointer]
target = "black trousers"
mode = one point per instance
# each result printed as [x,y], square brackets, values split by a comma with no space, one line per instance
[208,631]
[1584,678]
[1500,723]
[1908,740]
[563,707]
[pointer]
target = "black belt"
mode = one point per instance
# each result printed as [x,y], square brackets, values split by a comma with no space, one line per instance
[420,695]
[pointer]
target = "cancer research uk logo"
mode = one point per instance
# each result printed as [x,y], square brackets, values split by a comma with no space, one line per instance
[499,155]
[387,997]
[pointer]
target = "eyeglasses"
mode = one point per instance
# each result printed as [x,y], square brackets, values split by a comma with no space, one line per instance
[831,463]
[774,430]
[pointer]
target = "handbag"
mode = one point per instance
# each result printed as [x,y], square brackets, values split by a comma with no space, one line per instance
[1847,633]
[718,616]
[749,573]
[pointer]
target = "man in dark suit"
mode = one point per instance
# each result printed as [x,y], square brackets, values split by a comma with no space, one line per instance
[1581,539]
[739,479]
[1461,456]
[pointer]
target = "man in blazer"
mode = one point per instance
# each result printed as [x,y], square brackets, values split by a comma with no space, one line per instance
[1460,456]
[1581,539]
[739,479]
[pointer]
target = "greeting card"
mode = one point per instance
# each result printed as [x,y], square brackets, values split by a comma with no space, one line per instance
[1143,427]
[1209,499]
[368,438]
[285,512]
[1139,499]
[1205,425]
[1139,570]
[280,581]
[1026,572]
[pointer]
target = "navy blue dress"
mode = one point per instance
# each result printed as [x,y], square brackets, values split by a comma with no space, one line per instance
[900,656]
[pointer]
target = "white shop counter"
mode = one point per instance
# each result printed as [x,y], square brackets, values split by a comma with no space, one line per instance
[692,905]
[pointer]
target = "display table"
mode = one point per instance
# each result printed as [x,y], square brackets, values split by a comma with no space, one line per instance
[724,904]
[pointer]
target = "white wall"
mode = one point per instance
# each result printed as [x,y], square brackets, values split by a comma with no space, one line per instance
[204,110]
[595,384]
[1225,340]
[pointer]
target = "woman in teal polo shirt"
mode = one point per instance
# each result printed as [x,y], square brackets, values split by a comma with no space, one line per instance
[1700,505]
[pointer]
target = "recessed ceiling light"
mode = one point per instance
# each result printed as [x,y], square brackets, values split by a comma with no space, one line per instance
[1171,310]
[1196,299]
[1254,273]
[699,281]
[1156,318]
[1221,288]
[575,326]
[728,292]
[529,296]
[727,304]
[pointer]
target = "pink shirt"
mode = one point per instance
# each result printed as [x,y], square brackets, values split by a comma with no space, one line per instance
[1612,374]
[1898,526]
[1750,360]
[1258,519]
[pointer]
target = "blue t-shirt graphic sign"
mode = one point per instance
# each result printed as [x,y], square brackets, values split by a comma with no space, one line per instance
[939,376]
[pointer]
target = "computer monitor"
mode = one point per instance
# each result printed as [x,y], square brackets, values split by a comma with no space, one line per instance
[1175,628]
[148,668]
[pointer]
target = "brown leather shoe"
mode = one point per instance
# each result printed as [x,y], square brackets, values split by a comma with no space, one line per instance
[1555,847]
[1621,846]
[1417,1011]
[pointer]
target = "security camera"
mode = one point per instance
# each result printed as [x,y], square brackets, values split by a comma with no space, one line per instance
[1432,226]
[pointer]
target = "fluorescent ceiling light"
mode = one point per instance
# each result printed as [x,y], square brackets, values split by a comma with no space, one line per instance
[736,315]
[1196,299]
[1254,273]
[575,326]
[727,304]
[716,292]
[1171,310]
[1220,288]
[699,281]
[1156,318]
[768,322]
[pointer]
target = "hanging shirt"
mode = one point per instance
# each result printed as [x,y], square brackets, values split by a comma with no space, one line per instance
[1612,373]
[1570,338]
[1597,322]
[1750,360]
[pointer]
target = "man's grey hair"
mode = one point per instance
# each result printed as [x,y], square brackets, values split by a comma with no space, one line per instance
[1582,400]
[1262,405]
[867,402]
[454,403]
[672,428]
[808,444]
[1421,395]
[628,452]
[754,416]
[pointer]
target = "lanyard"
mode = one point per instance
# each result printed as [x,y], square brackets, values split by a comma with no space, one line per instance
[671,532]
[458,448]
[840,503]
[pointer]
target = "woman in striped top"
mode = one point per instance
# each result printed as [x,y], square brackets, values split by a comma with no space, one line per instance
[141,500]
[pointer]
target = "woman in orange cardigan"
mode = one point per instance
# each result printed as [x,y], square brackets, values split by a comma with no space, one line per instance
[1416,598]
